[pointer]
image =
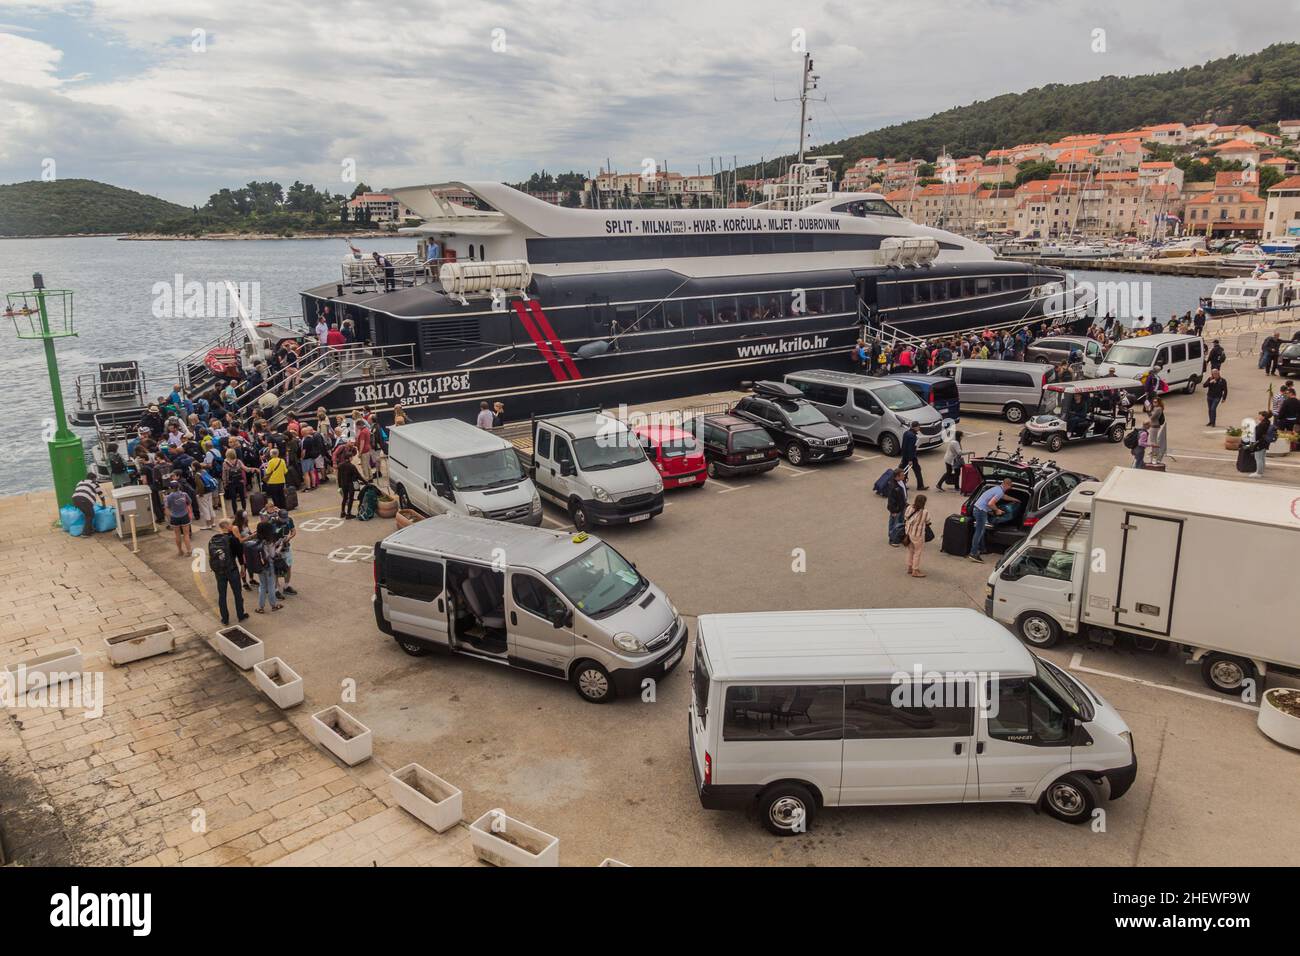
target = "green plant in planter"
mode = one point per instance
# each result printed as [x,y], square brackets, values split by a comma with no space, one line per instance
[1234,432]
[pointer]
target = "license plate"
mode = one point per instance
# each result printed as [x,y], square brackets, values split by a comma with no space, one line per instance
[636,518]
[673,658]
[754,457]
[687,480]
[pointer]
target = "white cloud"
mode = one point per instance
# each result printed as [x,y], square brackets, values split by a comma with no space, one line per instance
[28,62]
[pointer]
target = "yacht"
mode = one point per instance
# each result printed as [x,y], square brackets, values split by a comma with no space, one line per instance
[1266,290]
[1281,246]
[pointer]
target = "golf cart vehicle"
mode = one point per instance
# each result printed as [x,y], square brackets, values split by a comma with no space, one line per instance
[1037,487]
[1083,411]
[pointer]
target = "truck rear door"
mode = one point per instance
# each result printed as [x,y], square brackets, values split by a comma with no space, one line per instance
[1148,573]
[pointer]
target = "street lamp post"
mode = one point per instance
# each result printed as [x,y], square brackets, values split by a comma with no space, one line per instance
[30,313]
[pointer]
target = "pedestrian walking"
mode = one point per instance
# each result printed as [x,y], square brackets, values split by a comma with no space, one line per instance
[1160,433]
[348,476]
[916,525]
[223,548]
[180,514]
[952,461]
[908,458]
[1216,392]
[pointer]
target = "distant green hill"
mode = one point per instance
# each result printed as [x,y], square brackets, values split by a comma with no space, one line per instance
[78,206]
[1259,88]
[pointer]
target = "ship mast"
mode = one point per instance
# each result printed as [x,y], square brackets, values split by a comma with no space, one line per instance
[808,84]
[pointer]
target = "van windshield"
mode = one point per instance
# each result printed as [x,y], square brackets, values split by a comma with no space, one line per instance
[491,469]
[1065,688]
[599,581]
[608,451]
[898,398]
[1131,355]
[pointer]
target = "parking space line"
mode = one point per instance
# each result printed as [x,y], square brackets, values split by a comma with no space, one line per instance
[797,472]
[723,491]
[1075,665]
[1270,464]
[865,457]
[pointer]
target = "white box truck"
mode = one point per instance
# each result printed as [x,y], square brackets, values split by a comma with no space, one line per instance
[1199,563]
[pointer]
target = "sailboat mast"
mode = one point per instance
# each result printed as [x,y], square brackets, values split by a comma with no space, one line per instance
[803,103]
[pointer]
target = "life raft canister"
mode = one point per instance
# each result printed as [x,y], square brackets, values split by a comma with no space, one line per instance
[223,362]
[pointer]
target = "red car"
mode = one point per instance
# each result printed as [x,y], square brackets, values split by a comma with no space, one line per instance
[676,454]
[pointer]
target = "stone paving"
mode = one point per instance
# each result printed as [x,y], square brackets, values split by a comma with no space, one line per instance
[189,763]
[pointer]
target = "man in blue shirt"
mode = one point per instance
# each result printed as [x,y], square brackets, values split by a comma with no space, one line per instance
[986,501]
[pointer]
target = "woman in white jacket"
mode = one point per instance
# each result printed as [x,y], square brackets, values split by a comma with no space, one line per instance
[952,459]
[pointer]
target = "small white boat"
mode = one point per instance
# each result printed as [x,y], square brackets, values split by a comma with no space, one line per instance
[1180,248]
[1264,291]
[1281,246]
[1247,254]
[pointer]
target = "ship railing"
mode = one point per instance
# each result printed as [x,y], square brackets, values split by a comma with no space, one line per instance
[93,391]
[233,338]
[408,269]
[326,365]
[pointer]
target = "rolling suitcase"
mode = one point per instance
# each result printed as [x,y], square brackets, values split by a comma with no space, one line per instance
[256,503]
[290,497]
[969,479]
[957,531]
[881,487]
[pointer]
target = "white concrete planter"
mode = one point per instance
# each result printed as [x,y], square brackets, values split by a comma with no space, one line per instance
[426,796]
[342,735]
[1279,449]
[610,861]
[52,668]
[504,841]
[141,643]
[1276,724]
[240,646]
[279,682]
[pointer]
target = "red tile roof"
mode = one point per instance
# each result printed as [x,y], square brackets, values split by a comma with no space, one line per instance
[1291,182]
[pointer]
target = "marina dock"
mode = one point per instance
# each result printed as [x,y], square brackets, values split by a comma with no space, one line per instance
[1197,267]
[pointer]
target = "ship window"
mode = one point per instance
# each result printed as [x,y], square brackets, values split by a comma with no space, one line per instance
[481,254]
[954,289]
[673,314]
[625,318]
[725,309]
[763,245]
[906,294]
[940,291]
[703,311]
[813,304]
[967,287]
[995,284]
[922,291]
[982,286]
[599,316]
[718,245]
[801,243]
[751,308]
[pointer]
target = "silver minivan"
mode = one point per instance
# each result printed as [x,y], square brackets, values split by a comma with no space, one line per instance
[560,604]
[992,386]
[875,410]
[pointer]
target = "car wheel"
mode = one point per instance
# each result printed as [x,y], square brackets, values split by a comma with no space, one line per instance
[1190,387]
[1040,359]
[794,453]
[592,683]
[888,445]
[787,809]
[1116,433]
[1071,798]
[1014,413]
[1225,673]
[1038,629]
[578,515]
[414,648]
[1054,442]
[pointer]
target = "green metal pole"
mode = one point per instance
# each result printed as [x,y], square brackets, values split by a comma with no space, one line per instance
[67,453]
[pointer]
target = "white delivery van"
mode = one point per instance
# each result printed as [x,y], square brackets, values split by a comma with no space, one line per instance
[1180,359]
[1199,563]
[792,711]
[450,466]
[593,467]
[563,605]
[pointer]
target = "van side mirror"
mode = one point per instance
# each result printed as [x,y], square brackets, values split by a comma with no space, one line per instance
[561,617]
[566,469]
[444,491]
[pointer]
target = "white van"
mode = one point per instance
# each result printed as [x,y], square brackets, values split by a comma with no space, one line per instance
[449,466]
[792,711]
[593,467]
[563,605]
[1180,359]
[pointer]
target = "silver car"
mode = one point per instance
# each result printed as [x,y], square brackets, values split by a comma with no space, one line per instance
[875,410]
[1059,348]
[1009,389]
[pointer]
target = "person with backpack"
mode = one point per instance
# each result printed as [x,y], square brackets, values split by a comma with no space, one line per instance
[259,556]
[222,548]
[204,486]
[897,505]
[180,513]
[952,462]
[1137,441]
[1265,435]
[275,474]
[348,476]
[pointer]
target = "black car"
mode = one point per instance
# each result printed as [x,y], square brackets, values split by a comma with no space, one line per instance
[1288,358]
[1037,487]
[733,445]
[801,431]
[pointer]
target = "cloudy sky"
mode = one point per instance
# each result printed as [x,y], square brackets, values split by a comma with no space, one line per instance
[180,97]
